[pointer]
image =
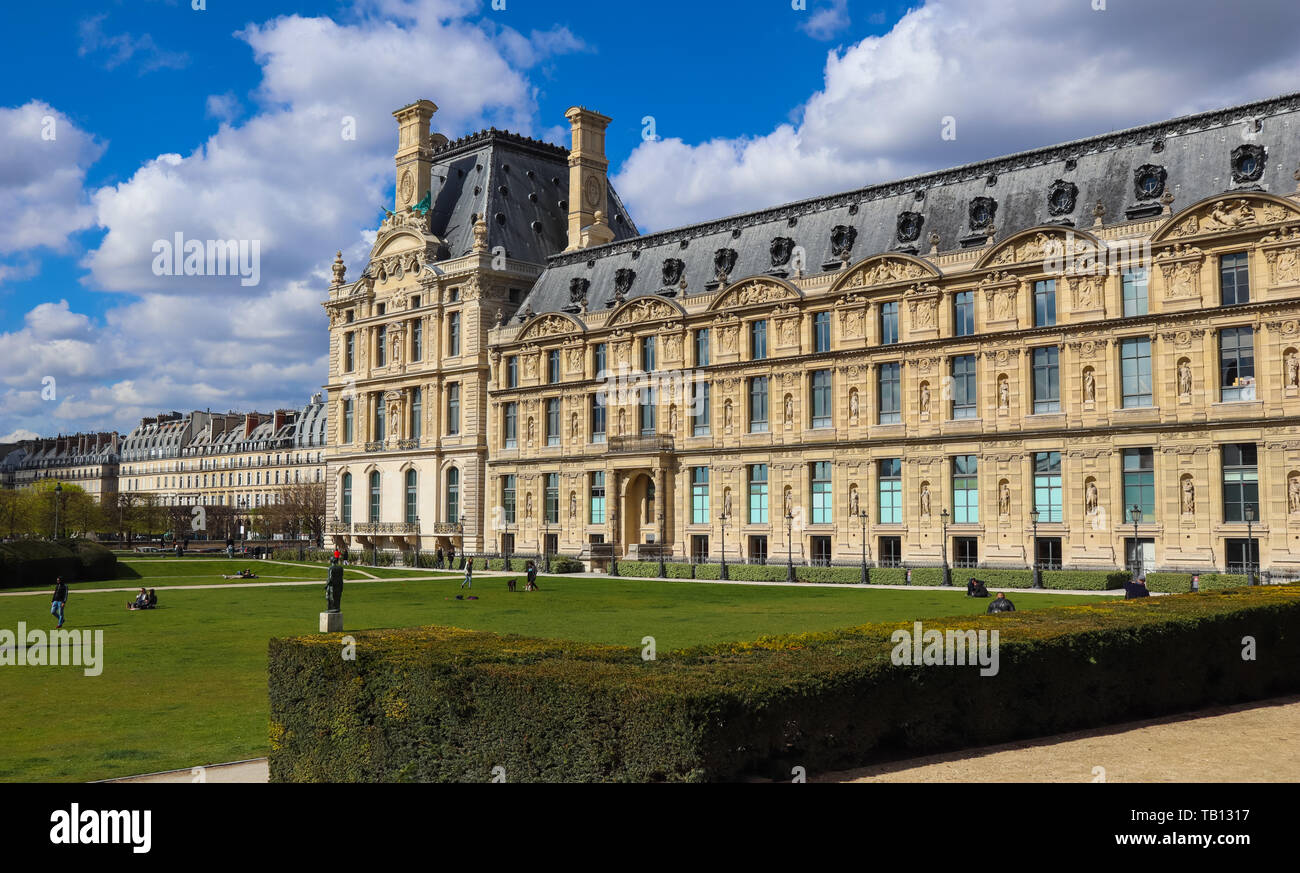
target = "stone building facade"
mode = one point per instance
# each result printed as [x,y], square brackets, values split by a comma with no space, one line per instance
[1083,354]
[89,460]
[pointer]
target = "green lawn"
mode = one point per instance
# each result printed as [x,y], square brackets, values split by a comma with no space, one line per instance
[186,684]
[155,572]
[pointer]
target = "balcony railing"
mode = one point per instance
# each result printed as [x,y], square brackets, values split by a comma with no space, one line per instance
[374,445]
[409,444]
[629,444]
[448,527]
[386,527]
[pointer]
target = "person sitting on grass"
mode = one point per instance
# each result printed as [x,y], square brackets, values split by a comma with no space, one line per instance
[1136,588]
[975,588]
[1001,604]
[141,601]
[152,602]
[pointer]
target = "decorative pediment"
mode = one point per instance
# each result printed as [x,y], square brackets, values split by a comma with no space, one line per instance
[1041,245]
[885,270]
[642,309]
[755,291]
[1227,213]
[550,324]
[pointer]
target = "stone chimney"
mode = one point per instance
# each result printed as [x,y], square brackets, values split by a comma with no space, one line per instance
[414,154]
[587,179]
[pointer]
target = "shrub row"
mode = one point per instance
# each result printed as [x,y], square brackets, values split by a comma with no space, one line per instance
[26,563]
[444,704]
[1076,580]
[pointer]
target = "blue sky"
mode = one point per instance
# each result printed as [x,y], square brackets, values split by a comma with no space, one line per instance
[223,122]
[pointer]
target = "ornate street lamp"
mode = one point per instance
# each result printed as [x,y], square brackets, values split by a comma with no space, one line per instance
[862,517]
[58,498]
[546,538]
[947,571]
[1250,544]
[723,517]
[1038,575]
[789,547]
[1135,513]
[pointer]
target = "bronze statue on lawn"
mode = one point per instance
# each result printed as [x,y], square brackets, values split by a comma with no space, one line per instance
[334,586]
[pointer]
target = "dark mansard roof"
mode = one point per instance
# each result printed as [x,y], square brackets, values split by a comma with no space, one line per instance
[1193,157]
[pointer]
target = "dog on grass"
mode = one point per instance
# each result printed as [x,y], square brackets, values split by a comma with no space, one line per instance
[511,583]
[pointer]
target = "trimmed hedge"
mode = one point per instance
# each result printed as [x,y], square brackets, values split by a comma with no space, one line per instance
[565,564]
[26,563]
[444,704]
[1180,583]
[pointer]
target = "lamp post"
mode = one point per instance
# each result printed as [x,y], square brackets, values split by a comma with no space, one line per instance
[546,539]
[243,523]
[1250,544]
[862,517]
[789,546]
[1038,576]
[58,498]
[1135,513]
[947,571]
[723,517]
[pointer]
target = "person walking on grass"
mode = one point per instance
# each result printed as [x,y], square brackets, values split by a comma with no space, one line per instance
[469,576]
[532,577]
[60,599]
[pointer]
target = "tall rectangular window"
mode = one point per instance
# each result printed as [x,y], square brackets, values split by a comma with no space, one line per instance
[822,332]
[417,413]
[346,498]
[598,410]
[965,489]
[598,359]
[758,404]
[963,387]
[510,424]
[822,509]
[379,421]
[758,340]
[889,323]
[1045,303]
[1237,363]
[1047,380]
[758,494]
[553,498]
[648,358]
[412,497]
[1135,370]
[699,495]
[453,409]
[702,347]
[453,334]
[700,408]
[598,498]
[1139,470]
[553,366]
[508,498]
[417,339]
[553,421]
[648,402]
[347,420]
[1135,293]
[821,398]
[890,393]
[1234,278]
[963,313]
[1240,481]
[1047,485]
[512,371]
[890,492]
[349,351]
[381,345]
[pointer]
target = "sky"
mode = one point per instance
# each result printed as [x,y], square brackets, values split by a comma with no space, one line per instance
[126,122]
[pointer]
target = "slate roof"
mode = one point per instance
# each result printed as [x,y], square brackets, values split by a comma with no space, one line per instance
[519,184]
[1196,153]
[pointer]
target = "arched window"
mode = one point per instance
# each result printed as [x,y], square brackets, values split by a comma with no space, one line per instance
[374,496]
[453,495]
[347,498]
[411,499]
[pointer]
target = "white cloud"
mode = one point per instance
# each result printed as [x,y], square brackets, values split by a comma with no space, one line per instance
[827,20]
[118,49]
[1014,75]
[18,436]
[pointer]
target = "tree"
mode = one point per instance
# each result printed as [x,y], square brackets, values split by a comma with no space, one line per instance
[82,514]
[124,513]
[149,514]
[298,511]
[13,514]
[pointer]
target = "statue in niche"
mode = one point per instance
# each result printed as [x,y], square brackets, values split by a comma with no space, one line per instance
[853,501]
[573,504]
[726,503]
[1004,393]
[622,422]
[532,431]
[925,398]
[1004,499]
[1292,369]
[528,505]
[1189,496]
[853,406]
[789,502]
[1089,386]
[1090,498]
[573,425]
[672,418]
[789,409]
[925,499]
[726,415]
[1293,494]
[1185,378]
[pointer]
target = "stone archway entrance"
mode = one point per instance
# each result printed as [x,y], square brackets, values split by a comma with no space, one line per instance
[640,511]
